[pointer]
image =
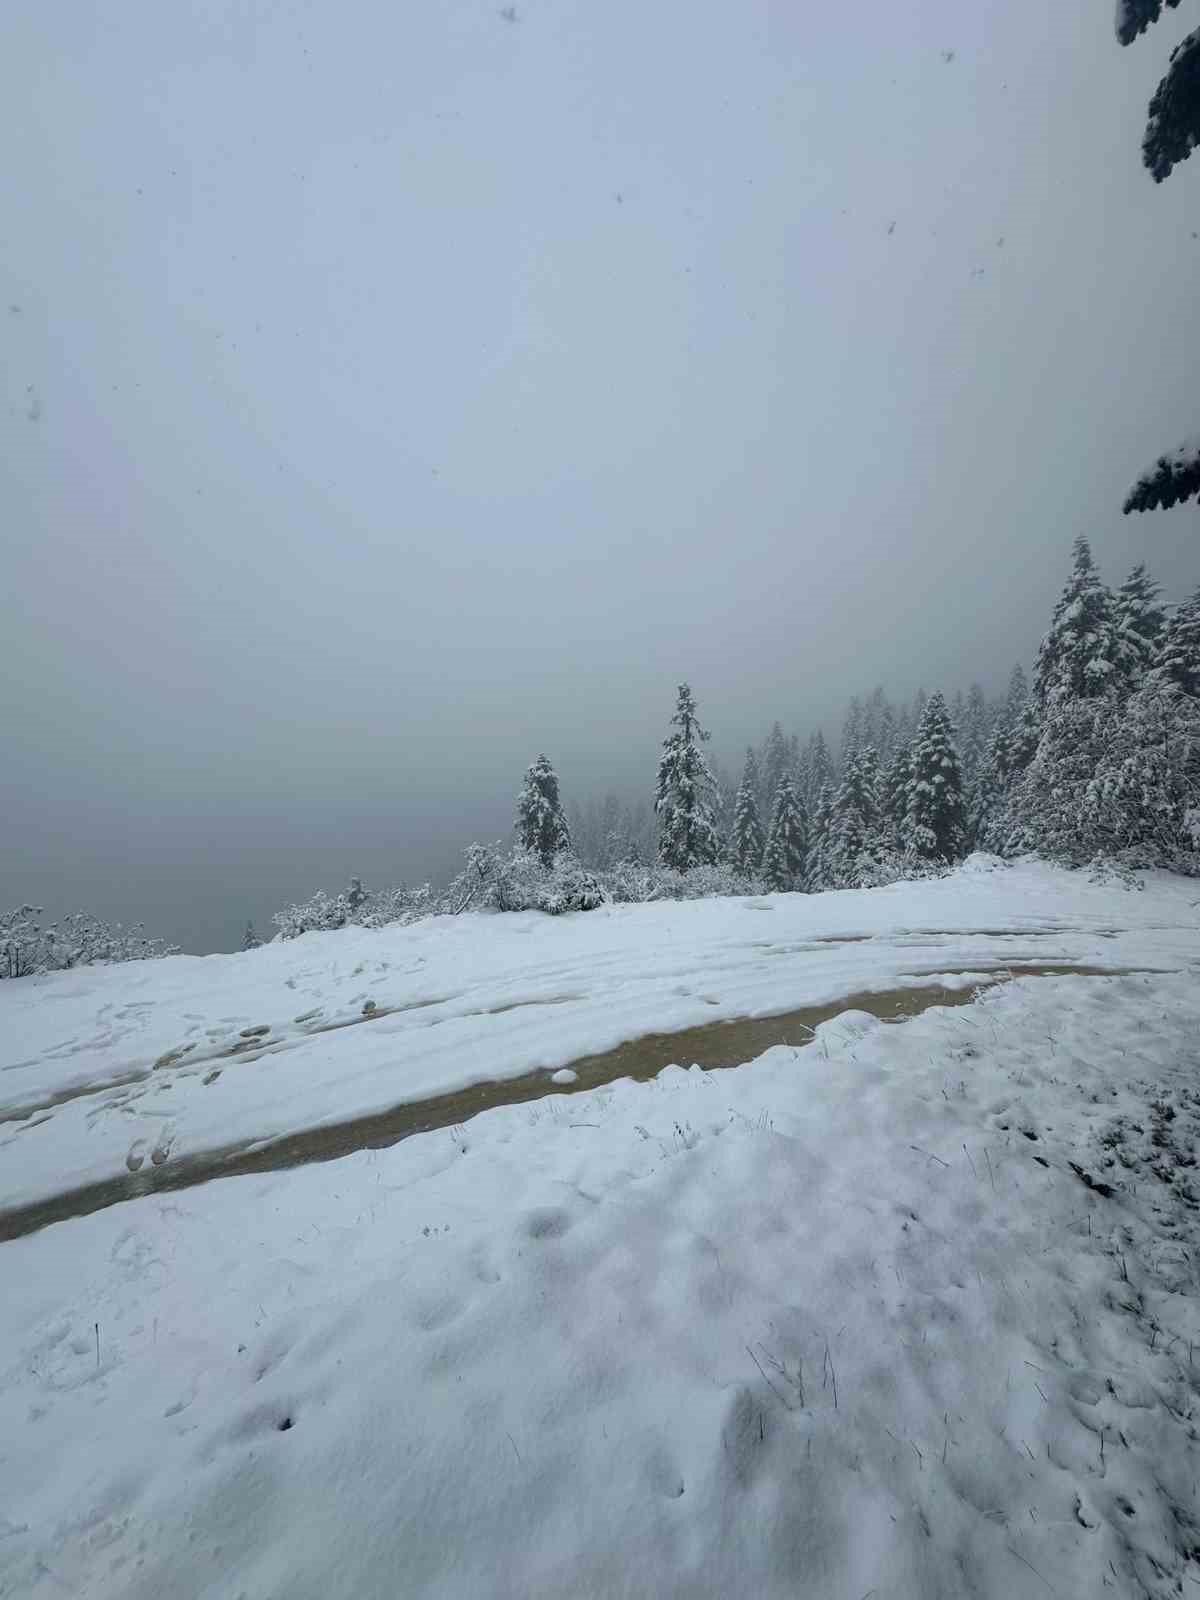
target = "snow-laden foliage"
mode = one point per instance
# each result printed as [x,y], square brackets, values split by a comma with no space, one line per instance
[1135,16]
[1173,124]
[816,770]
[747,843]
[494,879]
[876,869]
[250,940]
[1140,620]
[628,882]
[1173,478]
[1115,775]
[353,907]
[540,825]
[684,795]
[1177,659]
[820,840]
[1142,804]
[1078,656]
[77,940]
[935,818]
[852,831]
[784,857]
[775,763]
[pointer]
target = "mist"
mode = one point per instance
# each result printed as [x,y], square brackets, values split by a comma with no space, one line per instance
[392,393]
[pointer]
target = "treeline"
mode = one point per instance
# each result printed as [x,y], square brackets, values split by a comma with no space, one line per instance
[1098,759]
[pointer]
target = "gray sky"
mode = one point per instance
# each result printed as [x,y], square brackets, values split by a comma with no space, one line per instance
[390,392]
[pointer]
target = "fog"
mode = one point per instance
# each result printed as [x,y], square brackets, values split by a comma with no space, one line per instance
[392,392]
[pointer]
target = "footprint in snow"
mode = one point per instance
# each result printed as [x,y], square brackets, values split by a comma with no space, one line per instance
[137,1155]
[163,1146]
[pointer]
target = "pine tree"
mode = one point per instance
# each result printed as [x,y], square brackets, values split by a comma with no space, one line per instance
[893,797]
[853,826]
[1143,798]
[817,771]
[820,874]
[883,733]
[1077,659]
[250,940]
[1139,620]
[934,823]
[1015,699]
[976,730]
[540,824]
[1177,659]
[784,858]
[748,843]
[774,765]
[854,730]
[684,794]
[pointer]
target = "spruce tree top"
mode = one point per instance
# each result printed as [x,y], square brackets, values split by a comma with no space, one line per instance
[1078,657]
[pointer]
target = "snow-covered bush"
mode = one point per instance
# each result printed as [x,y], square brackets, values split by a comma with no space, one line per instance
[77,940]
[353,907]
[517,880]
[21,946]
[496,879]
[876,869]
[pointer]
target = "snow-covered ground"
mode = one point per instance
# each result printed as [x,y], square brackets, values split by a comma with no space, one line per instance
[107,1068]
[910,1311]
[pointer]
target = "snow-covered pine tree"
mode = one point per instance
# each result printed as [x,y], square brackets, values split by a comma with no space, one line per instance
[934,822]
[540,824]
[1077,659]
[883,731]
[774,765]
[975,732]
[724,809]
[817,771]
[1143,799]
[893,797]
[1140,621]
[250,940]
[1016,697]
[1177,659]
[820,874]
[854,730]
[748,843]
[854,824]
[974,742]
[683,799]
[784,859]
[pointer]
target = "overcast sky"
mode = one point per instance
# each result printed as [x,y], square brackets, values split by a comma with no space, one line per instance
[392,391]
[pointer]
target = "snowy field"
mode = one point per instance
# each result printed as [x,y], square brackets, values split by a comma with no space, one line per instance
[907,1311]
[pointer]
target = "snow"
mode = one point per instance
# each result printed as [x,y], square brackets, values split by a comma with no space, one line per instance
[850,1317]
[359,1020]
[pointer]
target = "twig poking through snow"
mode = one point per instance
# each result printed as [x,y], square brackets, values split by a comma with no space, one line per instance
[1031,1567]
[927,1155]
[767,1380]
